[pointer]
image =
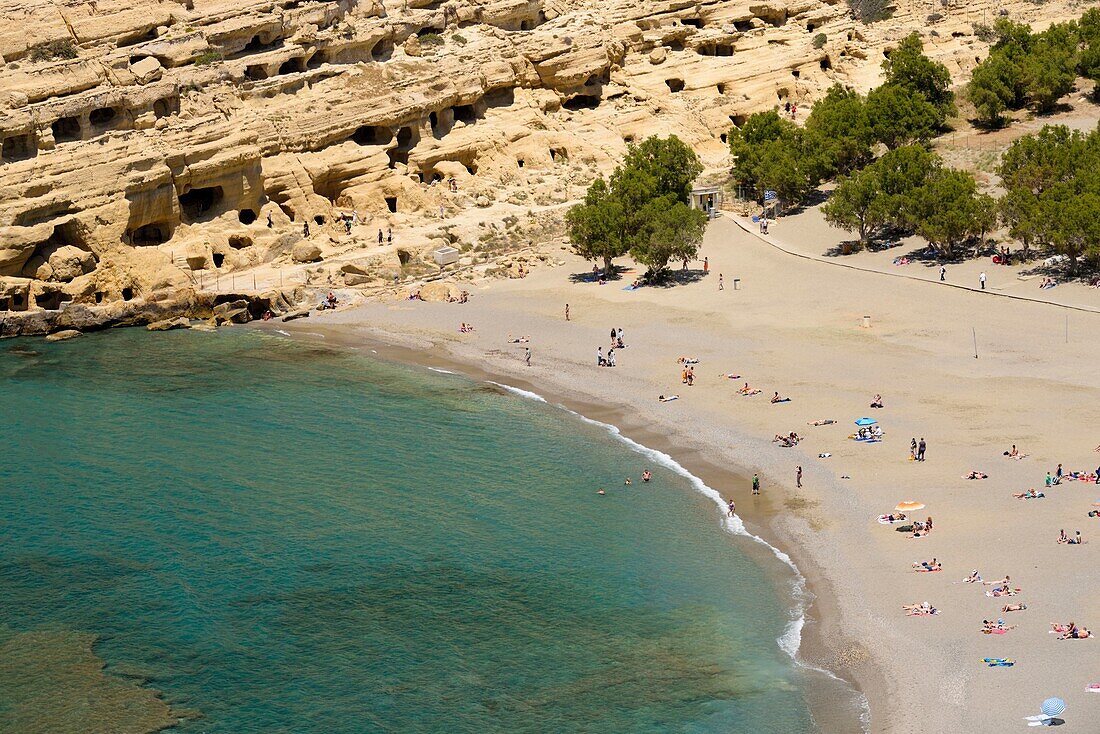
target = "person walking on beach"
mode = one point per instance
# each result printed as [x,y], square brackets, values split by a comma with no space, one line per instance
[913,449]
[756,484]
[920,449]
[981,279]
[600,361]
[721,286]
[731,508]
[567,312]
[706,266]
[943,273]
[527,356]
[798,476]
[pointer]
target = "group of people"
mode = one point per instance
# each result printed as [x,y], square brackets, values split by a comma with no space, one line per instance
[328,303]
[916,450]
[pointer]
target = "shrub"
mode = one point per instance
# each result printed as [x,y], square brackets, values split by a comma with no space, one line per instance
[53,50]
[820,40]
[209,56]
[871,11]
[459,39]
[985,33]
[431,39]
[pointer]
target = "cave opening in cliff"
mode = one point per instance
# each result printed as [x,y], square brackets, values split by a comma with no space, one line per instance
[66,129]
[255,72]
[318,59]
[441,123]
[795,73]
[525,25]
[257,44]
[582,102]
[675,85]
[156,233]
[99,296]
[103,117]
[135,39]
[405,143]
[500,98]
[127,293]
[519,162]
[67,233]
[219,259]
[382,50]
[291,66]
[391,204]
[165,106]
[724,138]
[825,63]
[693,22]
[742,26]
[738,120]
[239,241]
[246,216]
[372,135]
[18,148]
[319,220]
[676,45]
[51,299]
[18,302]
[201,203]
[721,88]
[465,113]
[723,49]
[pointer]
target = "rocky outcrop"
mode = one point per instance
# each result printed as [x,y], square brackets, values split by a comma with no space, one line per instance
[155,146]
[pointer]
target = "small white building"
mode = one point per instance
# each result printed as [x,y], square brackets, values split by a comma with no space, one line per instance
[445,255]
[707,199]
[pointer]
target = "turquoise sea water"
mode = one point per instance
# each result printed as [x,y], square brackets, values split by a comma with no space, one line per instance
[288,538]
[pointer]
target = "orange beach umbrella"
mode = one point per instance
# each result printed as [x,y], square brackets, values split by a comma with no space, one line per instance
[909,506]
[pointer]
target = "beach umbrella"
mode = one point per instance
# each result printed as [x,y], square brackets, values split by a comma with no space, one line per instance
[866,422]
[1053,707]
[909,506]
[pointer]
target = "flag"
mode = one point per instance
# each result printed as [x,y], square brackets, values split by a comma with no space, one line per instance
[769,195]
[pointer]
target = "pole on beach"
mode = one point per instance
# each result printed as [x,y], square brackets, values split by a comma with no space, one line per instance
[1067,328]
[975,333]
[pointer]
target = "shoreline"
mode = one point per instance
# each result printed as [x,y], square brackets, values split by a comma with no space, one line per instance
[815,636]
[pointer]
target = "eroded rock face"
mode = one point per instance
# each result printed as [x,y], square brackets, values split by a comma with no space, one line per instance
[171,142]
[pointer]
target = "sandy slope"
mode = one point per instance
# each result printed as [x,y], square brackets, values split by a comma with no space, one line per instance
[793,327]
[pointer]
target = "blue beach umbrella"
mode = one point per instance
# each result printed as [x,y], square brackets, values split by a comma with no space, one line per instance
[866,422]
[1053,707]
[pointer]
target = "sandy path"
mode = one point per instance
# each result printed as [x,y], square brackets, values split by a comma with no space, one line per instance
[793,326]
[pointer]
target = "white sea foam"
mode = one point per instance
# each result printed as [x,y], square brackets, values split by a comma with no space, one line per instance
[791,639]
[284,333]
[441,371]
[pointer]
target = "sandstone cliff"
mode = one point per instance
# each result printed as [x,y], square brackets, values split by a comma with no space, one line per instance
[150,146]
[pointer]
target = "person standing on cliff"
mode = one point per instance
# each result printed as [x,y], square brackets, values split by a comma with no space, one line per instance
[756,484]
[567,312]
[798,476]
[305,229]
[379,236]
[720,284]
[389,235]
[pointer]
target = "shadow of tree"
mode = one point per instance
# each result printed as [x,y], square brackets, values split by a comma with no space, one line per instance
[593,277]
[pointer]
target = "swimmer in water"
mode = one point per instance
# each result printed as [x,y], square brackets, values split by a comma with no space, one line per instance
[628,482]
[646,476]
[600,492]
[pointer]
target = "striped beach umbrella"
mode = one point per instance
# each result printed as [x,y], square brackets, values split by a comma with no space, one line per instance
[1053,707]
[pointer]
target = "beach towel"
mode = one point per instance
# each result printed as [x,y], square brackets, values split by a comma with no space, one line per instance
[994,632]
[928,570]
[781,400]
[883,519]
[1092,688]
[999,662]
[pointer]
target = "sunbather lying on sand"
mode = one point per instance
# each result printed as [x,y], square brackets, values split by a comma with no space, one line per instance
[731,376]
[518,339]
[687,360]
[976,475]
[893,517]
[826,422]
[923,609]
[1031,494]
[1069,631]
[973,578]
[787,441]
[1002,591]
[667,399]
[777,399]
[746,390]
[1014,607]
[927,566]
[990,627]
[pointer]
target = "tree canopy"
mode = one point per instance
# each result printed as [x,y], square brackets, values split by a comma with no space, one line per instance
[908,68]
[642,208]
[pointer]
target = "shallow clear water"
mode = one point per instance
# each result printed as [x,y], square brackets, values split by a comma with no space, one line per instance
[287,538]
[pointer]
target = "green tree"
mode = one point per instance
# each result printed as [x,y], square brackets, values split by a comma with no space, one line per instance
[669,161]
[994,88]
[597,227]
[671,230]
[841,129]
[854,204]
[909,68]
[772,153]
[899,116]
[1050,67]
[945,209]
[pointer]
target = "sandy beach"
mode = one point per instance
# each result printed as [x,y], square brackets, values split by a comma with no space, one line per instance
[795,325]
